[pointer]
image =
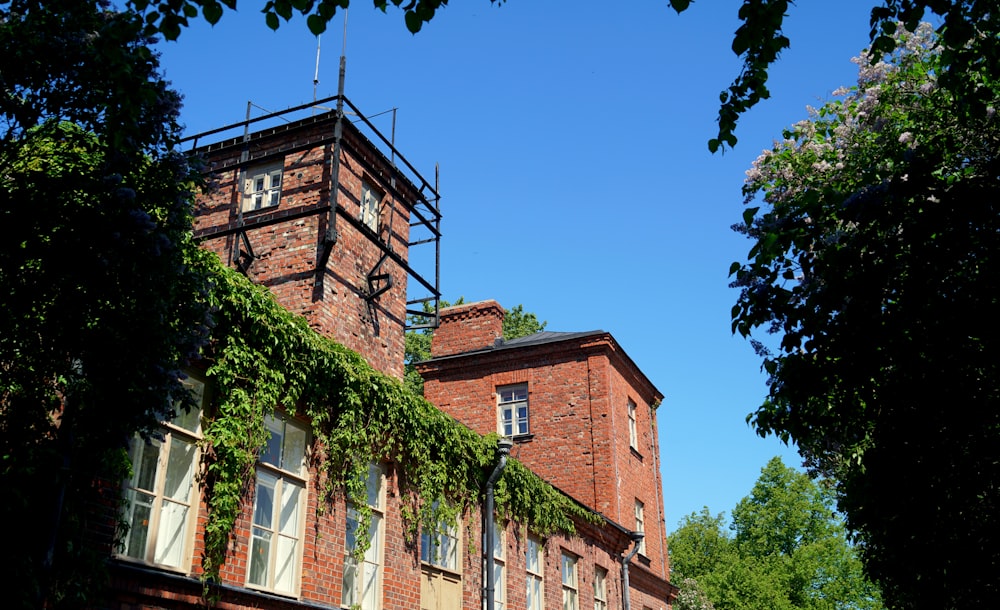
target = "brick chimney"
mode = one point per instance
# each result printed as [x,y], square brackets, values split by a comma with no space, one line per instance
[468,327]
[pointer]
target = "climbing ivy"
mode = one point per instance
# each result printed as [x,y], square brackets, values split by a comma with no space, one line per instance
[262,356]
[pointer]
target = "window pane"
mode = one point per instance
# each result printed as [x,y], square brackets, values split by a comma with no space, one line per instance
[263,502]
[374,533]
[260,554]
[350,594]
[294,448]
[534,593]
[289,522]
[374,486]
[180,470]
[258,184]
[145,462]
[369,593]
[141,505]
[170,534]
[352,529]
[426,553]
[271,452]
[190,420]
[284,569]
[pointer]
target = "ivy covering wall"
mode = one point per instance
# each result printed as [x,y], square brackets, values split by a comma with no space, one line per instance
[263,357]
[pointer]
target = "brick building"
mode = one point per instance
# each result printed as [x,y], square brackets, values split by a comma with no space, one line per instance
[328,215]
[581,415]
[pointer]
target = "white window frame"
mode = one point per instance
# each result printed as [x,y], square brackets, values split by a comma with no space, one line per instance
[262,186]
[362,580]
[513,415]
[640,524]
[161,528]
[534,564]
[371,206]
[276,535]
[600,588]
[499,568]
[440,547]
[633,434]
[570,582]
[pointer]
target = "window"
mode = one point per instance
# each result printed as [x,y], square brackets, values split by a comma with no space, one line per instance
[440,547]
[513,410]
[499,568]
[161,498]
[440,571]
[535,565]
[371,202]
[262,187]
[275,539]
[633,436]
[600,588]
[362,578]
[570,593]
[640,525]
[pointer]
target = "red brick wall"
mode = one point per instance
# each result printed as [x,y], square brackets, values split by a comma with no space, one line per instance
[468,327]
[288,250]
[578,392]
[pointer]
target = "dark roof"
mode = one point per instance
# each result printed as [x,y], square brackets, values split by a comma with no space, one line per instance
[540,338]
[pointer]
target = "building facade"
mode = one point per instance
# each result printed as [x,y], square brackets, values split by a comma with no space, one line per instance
[326,214]
[582,416]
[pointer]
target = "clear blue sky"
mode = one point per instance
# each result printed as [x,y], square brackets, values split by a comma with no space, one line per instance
[575,175]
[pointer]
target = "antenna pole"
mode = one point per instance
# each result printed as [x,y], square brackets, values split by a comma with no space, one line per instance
[316,73]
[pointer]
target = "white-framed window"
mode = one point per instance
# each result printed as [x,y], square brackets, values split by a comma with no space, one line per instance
[570,591]
[278,506]
[161,498]
[633,435]
[262,186]
[439,547]
[600,588]
[371,204]
[363,578]
[512,410]
[534,560]
[499,568]
[640,524]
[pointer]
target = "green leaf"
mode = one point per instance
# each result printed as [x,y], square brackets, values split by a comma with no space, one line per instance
[748,215]
[680,5]
[212,12]
[413,22]
[317,25]
[272,21]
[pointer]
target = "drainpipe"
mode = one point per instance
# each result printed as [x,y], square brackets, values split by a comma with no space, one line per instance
[503,450]
[636,538]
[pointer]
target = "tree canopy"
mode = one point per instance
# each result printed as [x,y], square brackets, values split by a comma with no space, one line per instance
[789,550]
[874,265]
[968,28]
[102,307]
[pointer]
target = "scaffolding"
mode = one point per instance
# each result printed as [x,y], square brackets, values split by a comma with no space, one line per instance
[423,209]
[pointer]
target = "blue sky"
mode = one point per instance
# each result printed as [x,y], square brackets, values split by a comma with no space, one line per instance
[575,176]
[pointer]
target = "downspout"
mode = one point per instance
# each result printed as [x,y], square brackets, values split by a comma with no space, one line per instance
[626,597]
[503,450]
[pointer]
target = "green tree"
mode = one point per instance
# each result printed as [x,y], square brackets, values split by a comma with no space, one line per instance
[969,28]
[103,295]
[874,262]
[516,323]
[788,549]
